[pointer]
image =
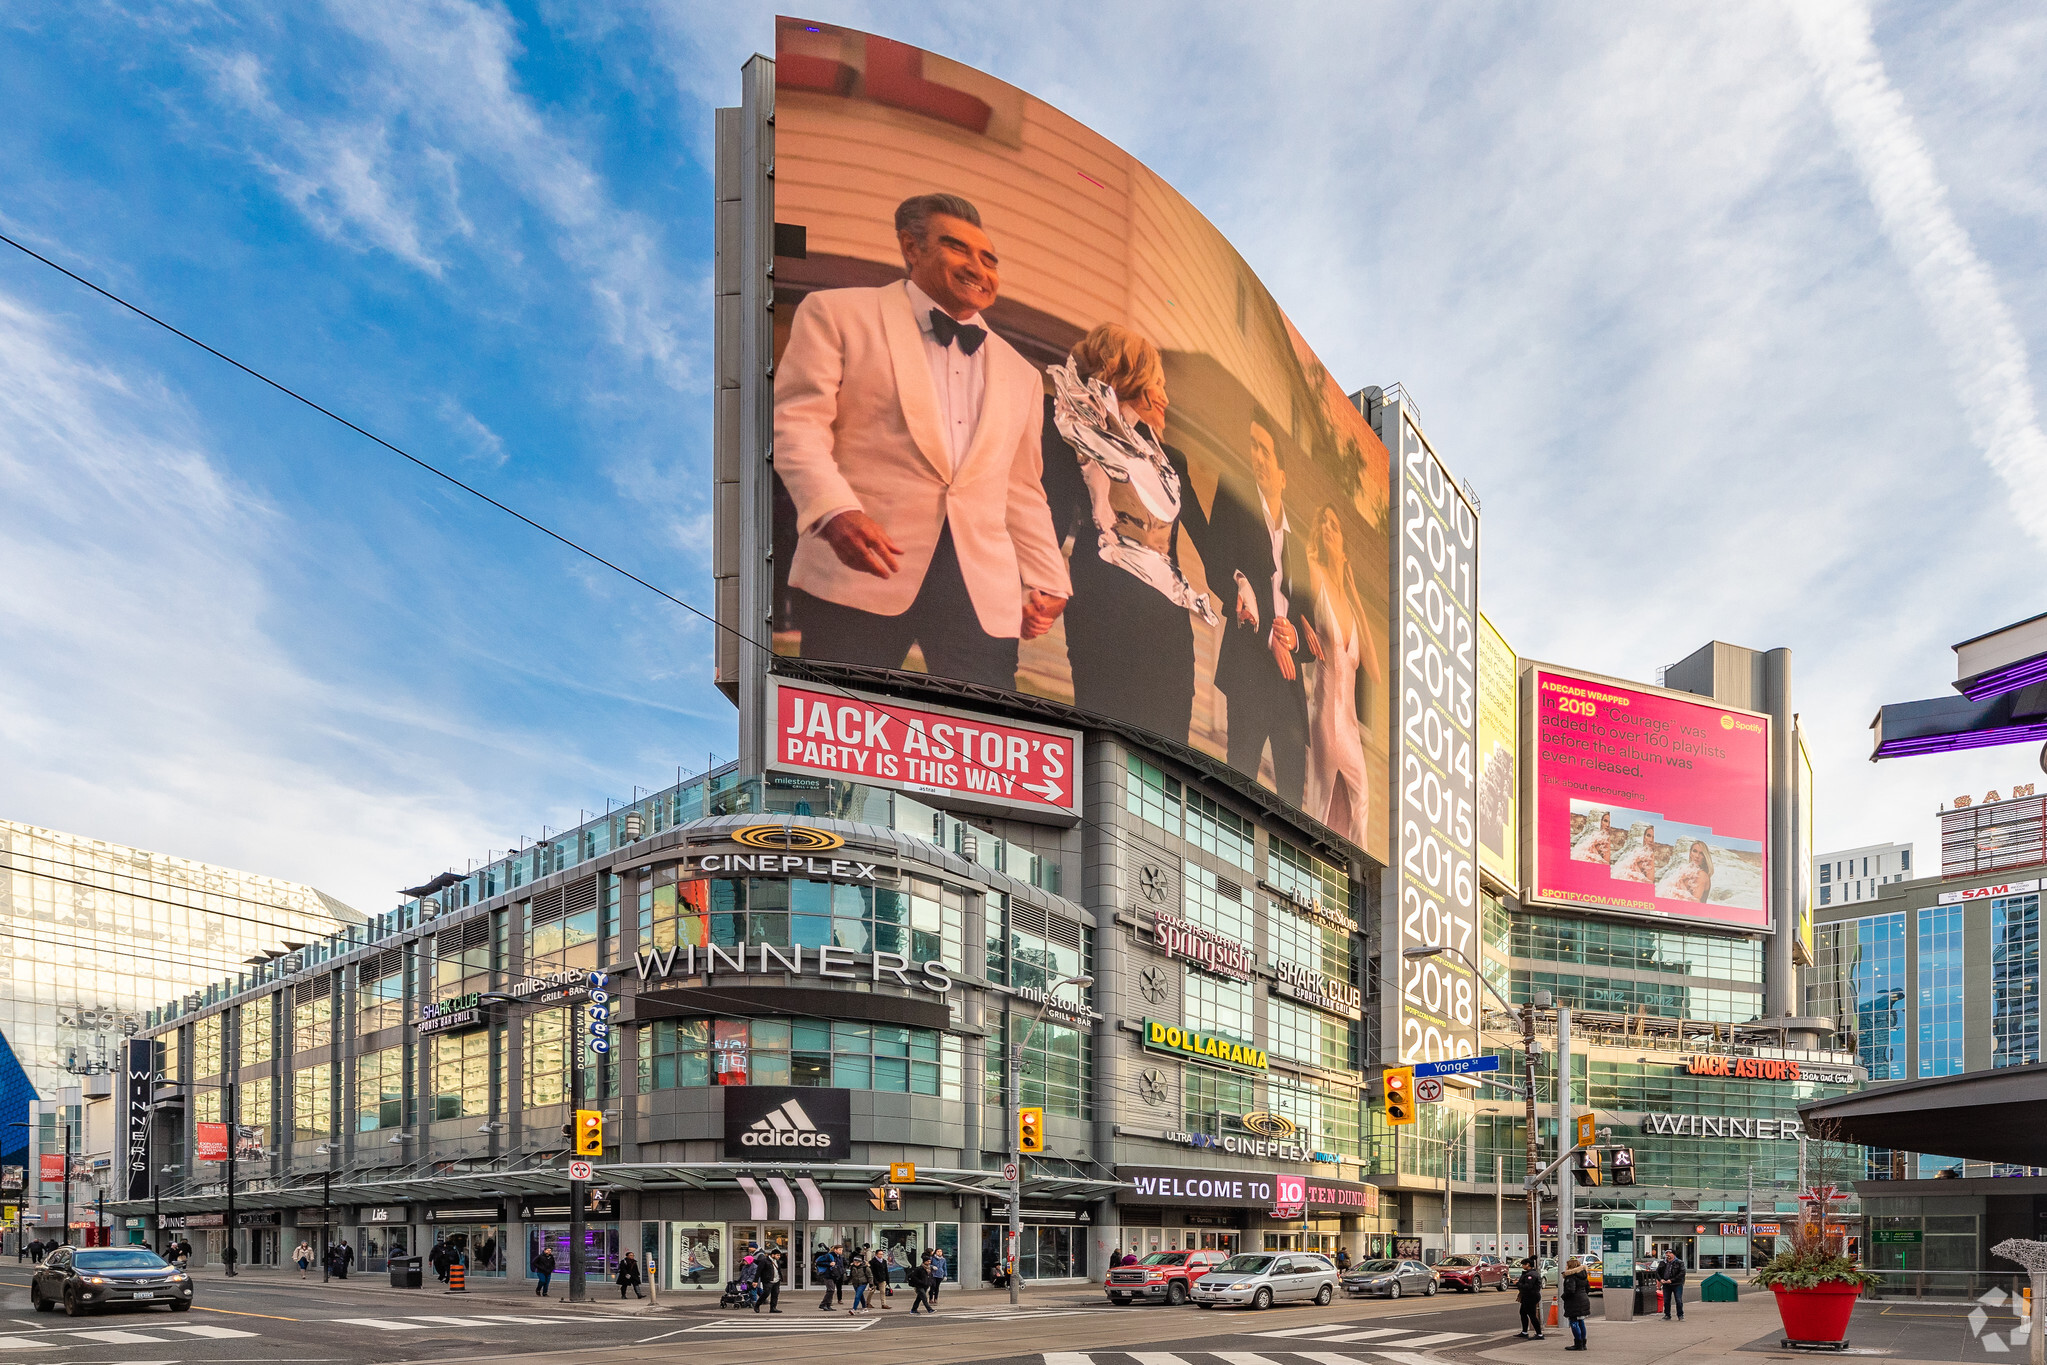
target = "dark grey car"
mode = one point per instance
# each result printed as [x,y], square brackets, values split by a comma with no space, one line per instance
[1390,1279]
[90,1279]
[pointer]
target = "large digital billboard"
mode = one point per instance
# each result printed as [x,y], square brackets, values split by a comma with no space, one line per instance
[1648,801]
[1431,895]
[1039,429]
[1499,781]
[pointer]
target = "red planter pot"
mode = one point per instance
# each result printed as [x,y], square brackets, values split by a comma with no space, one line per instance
[1820,1313]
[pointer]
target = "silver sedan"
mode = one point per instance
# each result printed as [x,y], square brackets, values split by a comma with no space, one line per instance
[1259,1280]
[1390,1279]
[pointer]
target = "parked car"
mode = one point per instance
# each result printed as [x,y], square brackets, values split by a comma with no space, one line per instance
[1390,1279]
[1471,1273]
[90,1279]
[1261,1279]
[1595,1275]
[1162,1277]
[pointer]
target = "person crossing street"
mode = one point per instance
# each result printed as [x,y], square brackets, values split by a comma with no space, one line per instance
[768,1275]
[543,1270]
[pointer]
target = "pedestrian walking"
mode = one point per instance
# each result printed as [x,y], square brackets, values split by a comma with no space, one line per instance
[1342,1259]
[938,1272]
[1577,1296]
[347,1258]
[440,1259]
[229,1255]
[543,1270]
[827,1270]
[768,1274]
[1670,1273]
[303,1254]
[629,1276]
[920,1280]
[1529,1287]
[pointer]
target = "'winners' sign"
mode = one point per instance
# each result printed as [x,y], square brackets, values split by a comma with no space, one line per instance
[922,748]
[1432,885]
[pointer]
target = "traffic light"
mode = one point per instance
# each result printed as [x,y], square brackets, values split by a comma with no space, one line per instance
[1399,1095]
[589,1132]
[885,1198]
[1623,1165]
[1030,1130]
[1585,1170]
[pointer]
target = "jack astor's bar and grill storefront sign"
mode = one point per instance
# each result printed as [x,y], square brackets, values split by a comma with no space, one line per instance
[1766,1069]
[1192,1187]
[1209,1047]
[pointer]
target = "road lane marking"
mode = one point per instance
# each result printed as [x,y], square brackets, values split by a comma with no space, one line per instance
[1243,1358]
[23,1344]
[1068,1358]
[200,1329]
[236,1312]
[383,1324]
[119,1338]
[1314,1331]
[1156,1358]
[1408,1358]
[1436,1340]
[1372,1334]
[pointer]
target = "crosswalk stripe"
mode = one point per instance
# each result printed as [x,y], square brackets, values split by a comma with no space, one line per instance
[1409,1358]
[1068,1358]
[208,1330]
[1317,1330]
[1156,1358]
[23,1344]
[1372,1335]
[455,1322]
[119,1338]
[1327,1358]
[1244,1358]
[1435,1340]
[383,1324]
[526,1321]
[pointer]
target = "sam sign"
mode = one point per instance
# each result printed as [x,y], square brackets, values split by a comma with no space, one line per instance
[930,749]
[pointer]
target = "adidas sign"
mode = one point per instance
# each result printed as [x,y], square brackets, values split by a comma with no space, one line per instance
[786,1126]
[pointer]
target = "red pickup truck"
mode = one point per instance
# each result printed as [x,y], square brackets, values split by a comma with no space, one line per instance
[1162,1277]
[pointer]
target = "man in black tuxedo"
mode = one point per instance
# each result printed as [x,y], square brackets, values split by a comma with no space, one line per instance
[1257,559]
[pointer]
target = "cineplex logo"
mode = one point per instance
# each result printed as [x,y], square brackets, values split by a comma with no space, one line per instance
[783,1127]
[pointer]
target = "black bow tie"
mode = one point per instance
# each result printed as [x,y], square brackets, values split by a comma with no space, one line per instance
[947,331]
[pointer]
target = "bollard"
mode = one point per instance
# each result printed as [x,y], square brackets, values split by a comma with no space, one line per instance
[457,1282]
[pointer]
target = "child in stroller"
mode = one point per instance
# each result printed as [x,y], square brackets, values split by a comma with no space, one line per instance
[738,1294]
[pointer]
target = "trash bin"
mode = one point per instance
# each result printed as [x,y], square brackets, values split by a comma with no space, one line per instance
[1646,1295]
[405,1272]
[1718,1289]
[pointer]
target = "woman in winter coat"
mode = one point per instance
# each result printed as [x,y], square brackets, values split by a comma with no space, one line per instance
[629,1276]
[1529,1286]
[1577,1298]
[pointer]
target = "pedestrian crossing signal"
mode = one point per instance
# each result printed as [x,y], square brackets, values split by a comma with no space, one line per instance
[885,1199]
[589,1132]
[1585,1170]
[1623,1165]
[1030,1130]
[1399,1082]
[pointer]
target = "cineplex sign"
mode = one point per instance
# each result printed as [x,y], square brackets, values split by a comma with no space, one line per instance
[1196,1188]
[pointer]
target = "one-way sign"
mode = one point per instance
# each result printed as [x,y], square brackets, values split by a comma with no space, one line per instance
[1457,1066]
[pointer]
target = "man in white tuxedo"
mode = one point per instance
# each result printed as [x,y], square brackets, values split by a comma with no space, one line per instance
[908,436]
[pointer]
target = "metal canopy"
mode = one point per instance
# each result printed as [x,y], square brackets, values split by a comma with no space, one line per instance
[1996,1116]
[665,1176]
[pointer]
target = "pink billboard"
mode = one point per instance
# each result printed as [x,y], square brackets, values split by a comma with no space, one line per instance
[1649,804]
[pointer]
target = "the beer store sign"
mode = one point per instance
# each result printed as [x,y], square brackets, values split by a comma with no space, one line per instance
[456,1012]
[1210,1047]
[1210,952]
[1311,987]
[1707,1125]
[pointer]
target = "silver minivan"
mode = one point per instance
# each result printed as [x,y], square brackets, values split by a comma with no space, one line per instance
[1261,1279]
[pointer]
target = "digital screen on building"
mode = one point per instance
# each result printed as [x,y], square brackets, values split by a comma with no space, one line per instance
[1499,780]
[1432,898]
[1647,802]
[1039,429]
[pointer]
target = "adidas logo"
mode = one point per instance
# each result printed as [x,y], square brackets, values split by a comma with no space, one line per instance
[786,1125]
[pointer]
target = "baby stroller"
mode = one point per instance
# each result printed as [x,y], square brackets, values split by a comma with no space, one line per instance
[738,1294]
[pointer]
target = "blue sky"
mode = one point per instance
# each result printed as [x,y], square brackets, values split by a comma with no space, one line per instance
[1729,312]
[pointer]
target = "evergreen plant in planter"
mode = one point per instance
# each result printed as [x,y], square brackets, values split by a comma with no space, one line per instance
[1816,1288]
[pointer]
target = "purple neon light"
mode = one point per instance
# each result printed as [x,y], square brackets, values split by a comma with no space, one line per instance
[1969,739]
[2010,678]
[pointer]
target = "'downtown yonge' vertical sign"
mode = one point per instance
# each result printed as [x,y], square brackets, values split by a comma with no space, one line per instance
[1432,883]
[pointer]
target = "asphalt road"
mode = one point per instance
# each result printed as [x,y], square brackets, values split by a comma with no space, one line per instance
[276,1319]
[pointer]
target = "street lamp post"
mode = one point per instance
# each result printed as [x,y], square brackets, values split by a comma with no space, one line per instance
[1529,1053]
[1016,1052]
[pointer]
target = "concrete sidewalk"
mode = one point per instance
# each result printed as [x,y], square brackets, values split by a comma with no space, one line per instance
[1746,1332]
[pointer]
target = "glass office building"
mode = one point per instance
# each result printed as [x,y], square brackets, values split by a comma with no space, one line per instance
[94,935]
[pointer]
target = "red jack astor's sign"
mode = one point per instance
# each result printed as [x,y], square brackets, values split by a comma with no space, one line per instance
[921,748]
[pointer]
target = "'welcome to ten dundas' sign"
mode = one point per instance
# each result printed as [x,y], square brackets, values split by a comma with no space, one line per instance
[1213,1047]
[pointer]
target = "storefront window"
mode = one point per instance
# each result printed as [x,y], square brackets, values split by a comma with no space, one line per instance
[380,998]
[816,1052]
[922,919]
[312,1018]
[206,1046]
[257,1038]
[696,1256]
[461,1074]
[1057,1072]
[1042,1252]
[380,1089]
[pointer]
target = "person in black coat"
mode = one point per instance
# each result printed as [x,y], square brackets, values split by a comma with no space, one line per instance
[1255,558]
[1529,1287]
[1577,1301]
[1124,496]
[1670,1272]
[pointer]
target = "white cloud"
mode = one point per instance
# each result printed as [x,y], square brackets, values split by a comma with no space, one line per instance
[142,700]
[484,444]
[1985,351]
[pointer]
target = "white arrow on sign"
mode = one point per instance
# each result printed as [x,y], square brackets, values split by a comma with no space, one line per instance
[1048,789]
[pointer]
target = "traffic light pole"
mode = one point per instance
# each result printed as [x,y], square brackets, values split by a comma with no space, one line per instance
[1528,1054]
[578,1189]
[1567,1217]
[1015,1233]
